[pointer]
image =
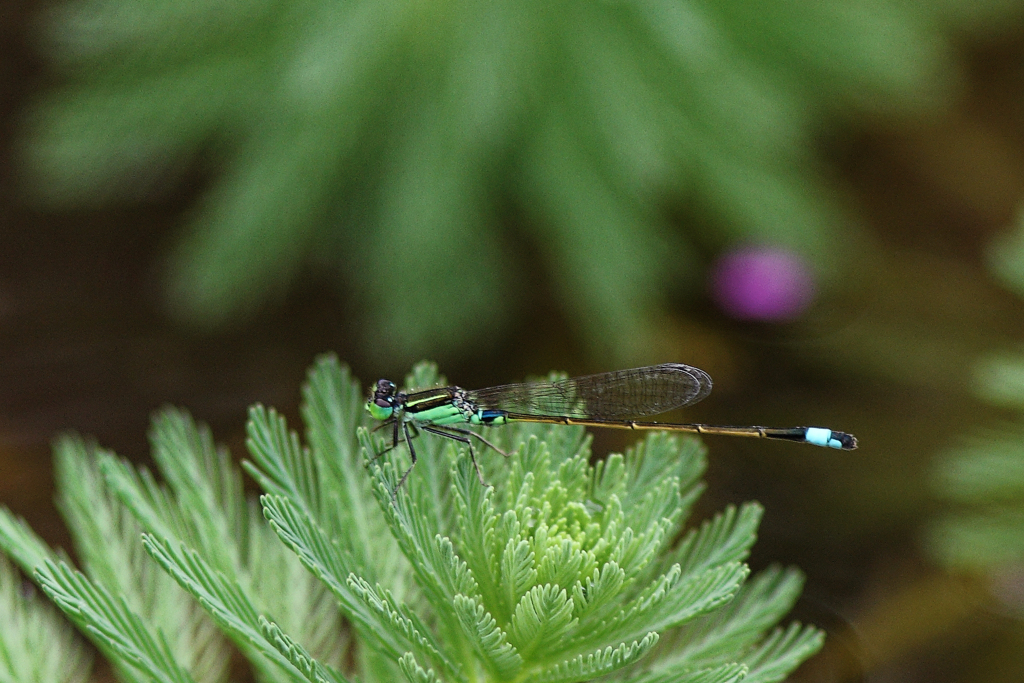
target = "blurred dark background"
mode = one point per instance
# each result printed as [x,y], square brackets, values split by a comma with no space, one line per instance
[817,204]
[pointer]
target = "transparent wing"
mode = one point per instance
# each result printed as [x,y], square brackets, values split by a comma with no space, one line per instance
[613,395]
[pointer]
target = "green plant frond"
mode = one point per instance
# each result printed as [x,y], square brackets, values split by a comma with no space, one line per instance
[518,486]
[574,475]
[595,223]
[726,538]
[487,639]
[650,94]
[477,521]
[662,483]
[414,673]
[563,442]
[563,563]
[781,652]
[332,408]
[151,504]
[660,501]
[599,663]
[36,644]
[659,507]
[302,604]
[328,484]
[119,633]
[192,515]
[1005,256]
[21,544]
[697,595]
[660,456]
[206,485]
[667,602]
[541,620]
[438,571]
[107,504]
[226,601]
[676,598]
[610,478]
[982,480]
[595,598]
[726,673]
[635,551]
[528,472]
[414,533]
[759,605]
[400,619]
[204,507]
[207,490]
[518,572]
[314,671]
[462,579]
[105,534]
[163,606]
[613,519]
[81,491]
[144,504]
[282,466]
[328,564]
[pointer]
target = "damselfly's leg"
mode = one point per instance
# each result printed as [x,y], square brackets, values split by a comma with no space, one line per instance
[458,436]
[467,432]
[412,456]
[394,437]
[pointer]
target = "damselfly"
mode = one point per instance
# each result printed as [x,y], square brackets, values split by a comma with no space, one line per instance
[608,399]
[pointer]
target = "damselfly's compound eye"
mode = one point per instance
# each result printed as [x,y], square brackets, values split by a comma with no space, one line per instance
[385,391]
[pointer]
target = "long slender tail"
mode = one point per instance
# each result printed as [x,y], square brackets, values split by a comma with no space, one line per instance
[817,436]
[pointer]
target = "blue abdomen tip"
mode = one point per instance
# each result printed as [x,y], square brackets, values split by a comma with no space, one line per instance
[820,436]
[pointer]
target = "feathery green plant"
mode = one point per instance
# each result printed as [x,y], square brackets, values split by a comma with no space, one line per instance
[560,572]
[373,137]
[35,643]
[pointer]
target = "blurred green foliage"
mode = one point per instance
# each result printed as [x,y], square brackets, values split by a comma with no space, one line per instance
[1005,257]
[425,154]
[982,480]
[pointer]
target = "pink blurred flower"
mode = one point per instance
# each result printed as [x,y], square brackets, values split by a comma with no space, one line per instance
[762,283]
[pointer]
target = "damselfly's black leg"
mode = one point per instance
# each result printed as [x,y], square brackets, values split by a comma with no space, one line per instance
[412,455]
[393,422]
[394,439]
[469,432]
[464,439]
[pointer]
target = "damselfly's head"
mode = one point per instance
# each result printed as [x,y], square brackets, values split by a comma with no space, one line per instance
[382,402]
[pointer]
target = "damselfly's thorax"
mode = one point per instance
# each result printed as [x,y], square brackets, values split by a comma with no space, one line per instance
[466,407]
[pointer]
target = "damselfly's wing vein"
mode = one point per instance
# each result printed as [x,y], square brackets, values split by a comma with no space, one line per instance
[610,395]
